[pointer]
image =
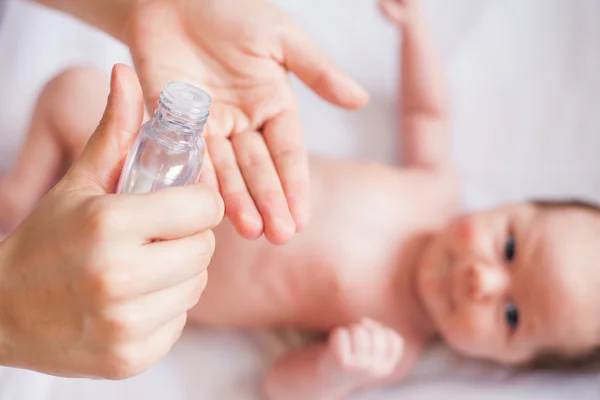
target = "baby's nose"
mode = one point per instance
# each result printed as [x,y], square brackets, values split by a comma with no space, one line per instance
[486,281]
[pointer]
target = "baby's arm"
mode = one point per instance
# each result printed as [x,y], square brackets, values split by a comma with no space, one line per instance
[65,115]
[423,103]
[354,357]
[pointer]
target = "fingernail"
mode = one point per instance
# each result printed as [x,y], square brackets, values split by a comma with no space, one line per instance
[122,85]
[285,228]
[252,223]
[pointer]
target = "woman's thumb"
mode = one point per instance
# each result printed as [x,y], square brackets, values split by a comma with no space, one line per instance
[100,164]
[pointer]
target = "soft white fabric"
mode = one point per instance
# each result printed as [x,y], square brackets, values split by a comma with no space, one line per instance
[525,84]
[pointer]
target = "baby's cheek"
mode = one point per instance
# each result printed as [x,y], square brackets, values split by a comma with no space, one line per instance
[470,334]
[463,232]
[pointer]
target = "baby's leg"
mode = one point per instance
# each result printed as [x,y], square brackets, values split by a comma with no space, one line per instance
[66,114]
[354,357]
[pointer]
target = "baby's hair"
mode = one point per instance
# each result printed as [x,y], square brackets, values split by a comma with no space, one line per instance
[553,361]
[550,361]
[561,204]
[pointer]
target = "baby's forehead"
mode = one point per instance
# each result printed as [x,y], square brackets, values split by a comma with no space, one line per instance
[564,280]
[564,249]
[564,238]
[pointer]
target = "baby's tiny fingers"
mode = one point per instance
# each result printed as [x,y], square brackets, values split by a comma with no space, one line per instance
[395,345]
[393,9]
[370,323]
[361,344]
[379,344]
[340,346]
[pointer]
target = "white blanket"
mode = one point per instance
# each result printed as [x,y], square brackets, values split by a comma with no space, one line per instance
[525,82]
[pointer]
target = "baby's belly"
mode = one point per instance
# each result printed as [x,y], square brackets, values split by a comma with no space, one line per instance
[311,282]
[257,284]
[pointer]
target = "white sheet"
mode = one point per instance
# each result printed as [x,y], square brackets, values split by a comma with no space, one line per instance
[525,83]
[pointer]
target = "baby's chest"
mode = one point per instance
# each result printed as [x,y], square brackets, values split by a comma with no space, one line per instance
[345,283]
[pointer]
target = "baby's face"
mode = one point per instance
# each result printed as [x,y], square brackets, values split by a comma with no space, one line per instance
[510,283]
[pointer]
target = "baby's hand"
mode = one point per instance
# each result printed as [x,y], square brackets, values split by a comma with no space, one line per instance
[362,353]
[399,11]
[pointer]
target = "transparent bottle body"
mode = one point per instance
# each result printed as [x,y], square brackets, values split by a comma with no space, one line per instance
[154,163]
[169,149]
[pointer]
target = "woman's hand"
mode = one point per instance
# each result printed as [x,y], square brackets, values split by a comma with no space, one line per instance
[241,51]
[98,285]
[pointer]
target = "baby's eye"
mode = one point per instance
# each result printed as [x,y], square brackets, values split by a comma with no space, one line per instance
[511,315]
[509,249]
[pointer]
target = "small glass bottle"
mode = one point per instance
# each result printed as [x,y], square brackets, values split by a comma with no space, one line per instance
[169,149]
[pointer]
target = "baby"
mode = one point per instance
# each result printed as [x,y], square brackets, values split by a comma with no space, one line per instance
[386,266]
[66,113]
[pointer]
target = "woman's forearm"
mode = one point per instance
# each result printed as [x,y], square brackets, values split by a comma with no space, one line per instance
[109,16]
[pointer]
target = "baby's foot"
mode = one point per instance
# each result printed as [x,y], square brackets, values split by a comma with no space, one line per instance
[399,11]
[362,353]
